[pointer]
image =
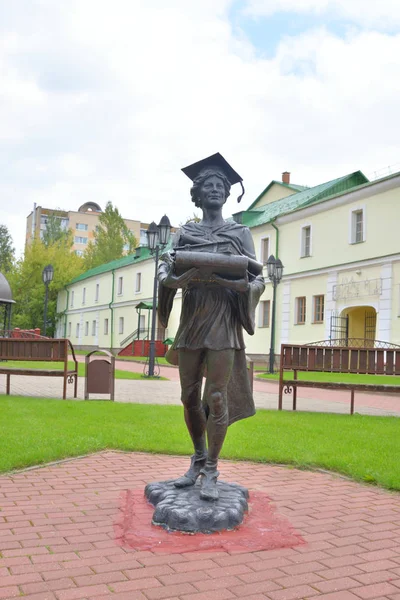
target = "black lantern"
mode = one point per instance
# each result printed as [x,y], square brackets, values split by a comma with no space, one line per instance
[157,239]
[47,276]
[164,230]
[152,234]
[274,271]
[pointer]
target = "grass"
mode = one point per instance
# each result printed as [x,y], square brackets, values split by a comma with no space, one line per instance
[35,431]
[336,377]
[159,359]
[27,364]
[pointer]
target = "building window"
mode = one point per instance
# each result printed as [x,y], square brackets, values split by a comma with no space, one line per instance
[357,226]
[97,293]
[318,309]
[82,226]
[300,310]
[72,299]
[69,329]
[86,327]
[79,252]
[143,238]
[264,250]
[93,327]
[121,325]
[105,326]
[138,286]
[305,241]
[84,296]
[120,286]
[77,330]
[80,240]
[264,313]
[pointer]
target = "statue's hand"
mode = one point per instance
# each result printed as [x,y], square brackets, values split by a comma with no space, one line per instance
[237,285]
[174,281]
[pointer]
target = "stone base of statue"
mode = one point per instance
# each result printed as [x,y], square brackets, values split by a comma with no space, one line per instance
[182,509]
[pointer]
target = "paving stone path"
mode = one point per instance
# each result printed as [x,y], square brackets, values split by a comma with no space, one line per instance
[57,537]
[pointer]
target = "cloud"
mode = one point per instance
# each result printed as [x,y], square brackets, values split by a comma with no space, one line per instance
[384,14]
[106,100]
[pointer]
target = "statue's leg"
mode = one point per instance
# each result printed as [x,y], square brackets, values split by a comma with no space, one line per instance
[219,368]
[191,375]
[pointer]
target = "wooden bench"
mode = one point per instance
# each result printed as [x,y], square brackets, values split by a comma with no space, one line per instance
[38,349]
[332,356]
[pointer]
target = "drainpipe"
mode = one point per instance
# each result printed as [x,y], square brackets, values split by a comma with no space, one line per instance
[66,313]
[277,238]
[112,311]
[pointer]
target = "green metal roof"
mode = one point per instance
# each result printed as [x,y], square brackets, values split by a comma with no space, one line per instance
[289,186]
[268,212]
[115,264]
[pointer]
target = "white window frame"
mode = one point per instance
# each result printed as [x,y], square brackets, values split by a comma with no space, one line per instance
[77,330]
[84,296]
[121,325]
[352,224]
[80,240]
[296,308]
[138,288]
[72,299]
[81,227]
[97,292]
[313,309]
[263,258]
[94,325]
[105,326]
[302,240]
[261,313]
[86,328]
[120,286]
[69,329]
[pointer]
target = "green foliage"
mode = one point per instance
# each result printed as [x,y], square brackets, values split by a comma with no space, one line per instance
[54,232]
[111,238]
[7,251]
[362,447]
[28,287]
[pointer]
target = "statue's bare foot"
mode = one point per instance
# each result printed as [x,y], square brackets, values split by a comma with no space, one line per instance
[208,489]
[190,477]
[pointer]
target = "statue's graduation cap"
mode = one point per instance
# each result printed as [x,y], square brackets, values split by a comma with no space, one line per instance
[217,161]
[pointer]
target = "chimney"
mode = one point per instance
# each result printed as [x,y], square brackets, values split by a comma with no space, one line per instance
[286,177]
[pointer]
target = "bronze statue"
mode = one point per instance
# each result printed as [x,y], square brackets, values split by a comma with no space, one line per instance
[214,263]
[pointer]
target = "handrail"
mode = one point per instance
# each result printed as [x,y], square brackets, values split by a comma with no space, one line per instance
[352,343]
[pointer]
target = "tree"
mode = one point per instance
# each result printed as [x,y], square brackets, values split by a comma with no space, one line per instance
[28,287]
[7,251]
[194,218]
[54,231]
[112,239]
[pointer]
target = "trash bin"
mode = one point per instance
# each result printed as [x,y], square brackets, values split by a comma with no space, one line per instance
[99,374]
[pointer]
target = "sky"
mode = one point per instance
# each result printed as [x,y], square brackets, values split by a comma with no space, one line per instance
[106,100]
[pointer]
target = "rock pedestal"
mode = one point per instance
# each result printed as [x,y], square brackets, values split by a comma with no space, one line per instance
[182,509]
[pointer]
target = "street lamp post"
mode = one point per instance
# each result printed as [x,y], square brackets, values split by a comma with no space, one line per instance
[47,276]
[157,239]
[274,270]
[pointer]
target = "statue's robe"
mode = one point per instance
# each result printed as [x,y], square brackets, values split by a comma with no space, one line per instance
[213,317]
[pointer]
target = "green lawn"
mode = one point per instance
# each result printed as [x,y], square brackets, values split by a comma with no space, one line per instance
[336,377]
[27,364]
[34,431]
[159,359]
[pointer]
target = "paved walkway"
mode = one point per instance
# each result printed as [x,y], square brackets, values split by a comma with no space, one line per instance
[168,392]
[58,537]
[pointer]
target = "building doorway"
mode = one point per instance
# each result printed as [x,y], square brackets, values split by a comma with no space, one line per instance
[361,323]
